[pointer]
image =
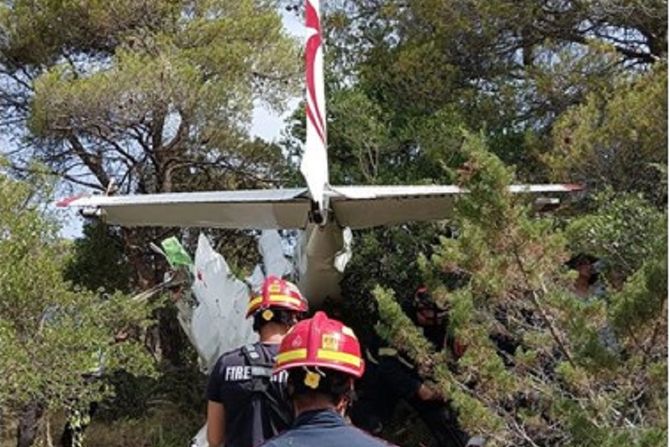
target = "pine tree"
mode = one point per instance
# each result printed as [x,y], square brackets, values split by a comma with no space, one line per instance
[542,366]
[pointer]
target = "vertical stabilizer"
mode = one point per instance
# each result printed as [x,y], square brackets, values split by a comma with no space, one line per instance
[314,166]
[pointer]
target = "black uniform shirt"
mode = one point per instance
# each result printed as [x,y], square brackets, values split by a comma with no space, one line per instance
[255,401]
[399,376]
[324,428]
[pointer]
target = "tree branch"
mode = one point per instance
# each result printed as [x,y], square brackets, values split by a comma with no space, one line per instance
[92,162]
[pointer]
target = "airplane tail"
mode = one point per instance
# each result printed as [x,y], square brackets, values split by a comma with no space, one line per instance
[314,165]
[349,206]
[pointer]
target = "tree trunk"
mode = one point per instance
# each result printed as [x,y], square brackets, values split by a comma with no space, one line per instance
[29,418]
[167,339]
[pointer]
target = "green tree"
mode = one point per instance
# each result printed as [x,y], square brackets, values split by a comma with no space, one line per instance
[617,137]
[506,67]
[145,97]
[98,260]
[581,372]
[564,91]
[55,339]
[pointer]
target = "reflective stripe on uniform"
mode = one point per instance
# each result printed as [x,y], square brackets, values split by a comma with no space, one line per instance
[371,358]
[261,371]
[405,362]
[388,352]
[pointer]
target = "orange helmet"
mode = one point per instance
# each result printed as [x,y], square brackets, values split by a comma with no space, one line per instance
[277,293]
[320,341]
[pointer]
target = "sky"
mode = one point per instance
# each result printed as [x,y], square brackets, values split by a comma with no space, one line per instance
[265,124]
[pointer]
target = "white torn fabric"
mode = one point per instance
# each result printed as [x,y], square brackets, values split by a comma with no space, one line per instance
[343,256]
[315,252]
[272,250]
[256,279]
[218,323]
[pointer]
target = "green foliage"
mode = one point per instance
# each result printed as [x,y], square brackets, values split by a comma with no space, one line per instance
[138,97]
[543,365]
[618,136]
[40,31]
[398,329]
[98,261]
[55,339]
[510,68]
[388,256]
[639,306]
[551,101]
[155,96]
[623,230]
[163,426]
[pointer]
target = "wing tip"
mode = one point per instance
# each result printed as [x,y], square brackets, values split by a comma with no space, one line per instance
[574,186]
[67,201]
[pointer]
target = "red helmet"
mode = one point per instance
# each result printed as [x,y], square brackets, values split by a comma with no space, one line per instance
[277,293]
[320,341]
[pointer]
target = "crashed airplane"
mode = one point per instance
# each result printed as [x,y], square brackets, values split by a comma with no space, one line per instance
[212,314]
[324,213]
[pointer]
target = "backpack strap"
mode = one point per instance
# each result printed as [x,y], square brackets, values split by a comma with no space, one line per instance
[261,369]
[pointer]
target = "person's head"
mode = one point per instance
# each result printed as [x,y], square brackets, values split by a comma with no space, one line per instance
[584,264]
[279,302]
[323,358]
[427,311]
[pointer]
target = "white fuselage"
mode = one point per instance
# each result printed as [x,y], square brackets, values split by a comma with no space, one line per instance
[318,275]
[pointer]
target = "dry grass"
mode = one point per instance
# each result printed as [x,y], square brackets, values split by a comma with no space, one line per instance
[165,426]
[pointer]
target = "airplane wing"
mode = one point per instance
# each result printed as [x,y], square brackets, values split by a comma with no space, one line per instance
[355,207]
[244,209]
[370,206]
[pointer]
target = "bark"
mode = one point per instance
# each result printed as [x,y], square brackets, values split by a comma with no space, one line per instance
[29,419]
[166,340]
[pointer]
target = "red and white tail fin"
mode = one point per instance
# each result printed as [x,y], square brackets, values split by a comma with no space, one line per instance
[314,165]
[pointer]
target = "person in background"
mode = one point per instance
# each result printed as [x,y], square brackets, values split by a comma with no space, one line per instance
[394,376]
[586,284]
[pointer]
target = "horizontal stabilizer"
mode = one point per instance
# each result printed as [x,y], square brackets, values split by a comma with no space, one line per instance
[353,206]
[244,209]
[370,206]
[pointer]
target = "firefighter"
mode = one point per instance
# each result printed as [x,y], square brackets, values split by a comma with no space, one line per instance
[322,358]
[247,403]
[393,377]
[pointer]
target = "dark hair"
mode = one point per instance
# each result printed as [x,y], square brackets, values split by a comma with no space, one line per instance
[283,316]
[580,259]
[334,384]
